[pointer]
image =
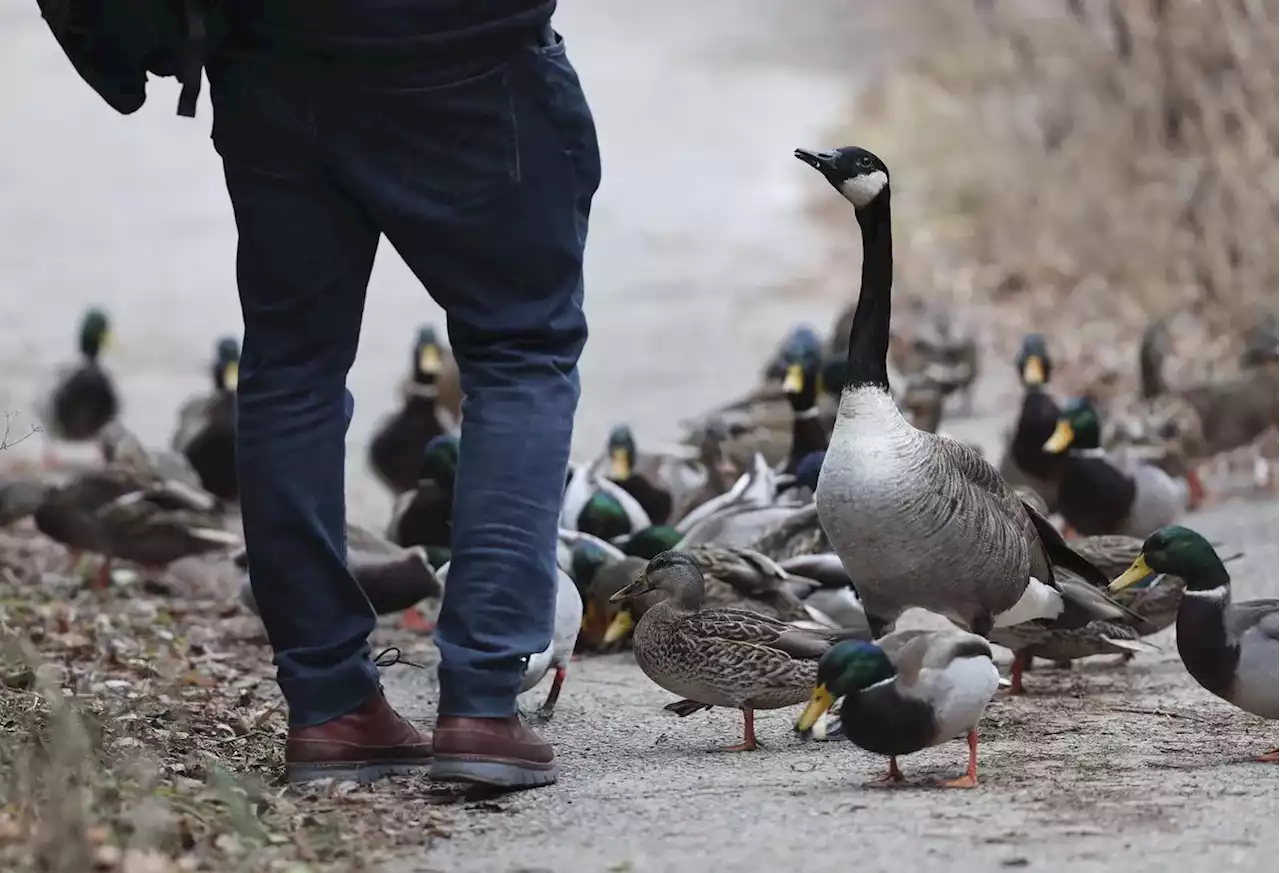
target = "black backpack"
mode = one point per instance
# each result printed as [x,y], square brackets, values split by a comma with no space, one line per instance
[114,44]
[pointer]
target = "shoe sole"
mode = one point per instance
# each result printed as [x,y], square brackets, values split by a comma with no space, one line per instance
[364,773]
[497,774]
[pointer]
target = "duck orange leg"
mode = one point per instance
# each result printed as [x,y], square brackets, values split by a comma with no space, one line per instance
[549,705]
[1019,664]
[1196,491]
[748,743]
[970,777]
[413,620]
[102,579]
[1272,757]
[894,774]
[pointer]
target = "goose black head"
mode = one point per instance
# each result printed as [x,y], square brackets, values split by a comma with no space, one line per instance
[859,176]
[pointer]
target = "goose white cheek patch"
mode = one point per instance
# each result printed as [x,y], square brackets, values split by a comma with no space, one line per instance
[861,190]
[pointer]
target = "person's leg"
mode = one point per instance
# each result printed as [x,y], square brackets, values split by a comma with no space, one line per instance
[303,262]
[493,220]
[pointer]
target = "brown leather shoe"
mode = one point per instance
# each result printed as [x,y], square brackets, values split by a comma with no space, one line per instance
[367,744]
[501,752]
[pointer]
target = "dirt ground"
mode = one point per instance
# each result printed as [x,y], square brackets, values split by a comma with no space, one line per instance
[1099,768]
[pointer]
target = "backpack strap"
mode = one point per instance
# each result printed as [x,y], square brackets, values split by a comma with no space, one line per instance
[195,54]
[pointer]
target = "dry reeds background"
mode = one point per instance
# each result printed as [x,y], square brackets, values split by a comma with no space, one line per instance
[1086,165]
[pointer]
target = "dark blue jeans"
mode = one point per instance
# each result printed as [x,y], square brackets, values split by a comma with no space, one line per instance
[480,172]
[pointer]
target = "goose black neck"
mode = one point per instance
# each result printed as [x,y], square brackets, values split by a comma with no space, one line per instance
[869,333]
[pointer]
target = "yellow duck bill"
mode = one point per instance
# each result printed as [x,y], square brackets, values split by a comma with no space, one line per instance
[429,360]
[1063,435]
[231,376]
[793,382]
[1033,371]
[819,703]
[619,465]
[621,625]
[1137,571]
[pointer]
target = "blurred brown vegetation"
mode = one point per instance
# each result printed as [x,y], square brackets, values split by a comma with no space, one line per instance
[1086,165]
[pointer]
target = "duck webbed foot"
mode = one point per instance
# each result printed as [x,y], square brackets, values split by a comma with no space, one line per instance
[970,778]
[548,707]
[748,743]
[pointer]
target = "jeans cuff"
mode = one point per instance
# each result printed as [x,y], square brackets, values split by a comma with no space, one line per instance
[479,693]
[317,699]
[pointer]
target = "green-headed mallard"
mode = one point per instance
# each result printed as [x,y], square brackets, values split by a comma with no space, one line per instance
[119,513]
[206,432]
[907,691]
[599,570]
[718,656]
[1229,648]
[731,577]
[920,519]
[1101,493]
[395,451]
[653,499]
[597,505]
[801,359]
[1025,461]
[424,516]
[83,398]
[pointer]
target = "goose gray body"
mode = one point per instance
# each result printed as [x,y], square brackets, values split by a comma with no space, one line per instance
[922,520]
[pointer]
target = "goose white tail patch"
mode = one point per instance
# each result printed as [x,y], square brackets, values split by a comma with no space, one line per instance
[861,190]
[1038,600]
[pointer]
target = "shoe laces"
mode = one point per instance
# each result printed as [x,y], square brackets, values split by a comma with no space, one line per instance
[391,656]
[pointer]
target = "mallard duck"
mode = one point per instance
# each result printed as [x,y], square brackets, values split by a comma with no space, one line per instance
[802,383]
[718,656]
[393,578]
[764,420]
[1100,493]
[599,570]
[121,446]
[599,506]
[920,519]
[83,397]
[395,451]
[1025,461]
[1229,648]
[797,533]
[937,347]
[424,516]
[732,577]
[559,651]
[907,691]
[820,582]
[1195,422]
[654,500]
[117,512]
[737,517]
[206,431]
